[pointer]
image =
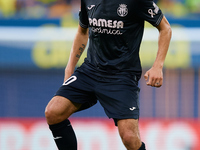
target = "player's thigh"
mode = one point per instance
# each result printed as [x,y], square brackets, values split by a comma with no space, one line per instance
[59,109]
[128,128]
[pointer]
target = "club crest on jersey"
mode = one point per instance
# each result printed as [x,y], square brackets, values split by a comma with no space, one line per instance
[122,10]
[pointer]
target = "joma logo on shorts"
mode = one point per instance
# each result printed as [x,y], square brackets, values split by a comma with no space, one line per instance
[132,108]
[106,23]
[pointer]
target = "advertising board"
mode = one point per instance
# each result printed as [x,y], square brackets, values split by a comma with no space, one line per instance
[100,134]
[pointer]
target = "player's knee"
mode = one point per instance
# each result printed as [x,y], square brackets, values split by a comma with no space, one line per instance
[131,140]
[51,115]
[126,138]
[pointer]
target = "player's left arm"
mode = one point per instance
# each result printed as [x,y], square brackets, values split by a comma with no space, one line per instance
[154,76]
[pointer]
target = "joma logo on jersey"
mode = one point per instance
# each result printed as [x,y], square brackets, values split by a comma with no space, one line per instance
[106,23]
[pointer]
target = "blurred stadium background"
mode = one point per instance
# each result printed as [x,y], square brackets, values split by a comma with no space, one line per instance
[35,41]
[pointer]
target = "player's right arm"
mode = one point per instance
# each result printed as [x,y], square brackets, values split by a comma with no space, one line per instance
[77,49]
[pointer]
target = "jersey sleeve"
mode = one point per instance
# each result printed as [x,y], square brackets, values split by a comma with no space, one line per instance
[149,12]
[83,17]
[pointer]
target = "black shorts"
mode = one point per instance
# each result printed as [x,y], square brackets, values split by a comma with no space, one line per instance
[118,96]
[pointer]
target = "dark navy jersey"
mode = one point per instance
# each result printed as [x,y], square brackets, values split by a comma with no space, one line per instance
[115,33]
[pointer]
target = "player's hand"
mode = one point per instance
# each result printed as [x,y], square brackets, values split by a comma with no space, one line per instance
[154,77]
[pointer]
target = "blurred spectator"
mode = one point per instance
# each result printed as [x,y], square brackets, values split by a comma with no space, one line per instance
[173,8]
[59,9]
[46,1]
[193,5]
[34,9]
[7,8]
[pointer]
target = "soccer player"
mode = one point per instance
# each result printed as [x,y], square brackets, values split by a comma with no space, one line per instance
[112,69]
